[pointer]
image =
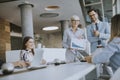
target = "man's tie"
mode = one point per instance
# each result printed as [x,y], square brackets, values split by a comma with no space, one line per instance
[96,26]
[99,41]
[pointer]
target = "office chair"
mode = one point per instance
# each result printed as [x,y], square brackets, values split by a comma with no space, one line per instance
[106,73]
[110,68]
[116,75]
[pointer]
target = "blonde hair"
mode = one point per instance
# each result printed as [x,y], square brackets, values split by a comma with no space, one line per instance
[115,26]
[75,17]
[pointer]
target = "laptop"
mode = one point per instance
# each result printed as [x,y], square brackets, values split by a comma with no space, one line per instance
[36,63]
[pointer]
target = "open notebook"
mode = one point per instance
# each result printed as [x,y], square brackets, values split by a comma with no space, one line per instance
[36,63]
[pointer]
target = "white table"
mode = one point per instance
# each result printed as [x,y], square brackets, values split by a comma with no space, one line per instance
[72,71]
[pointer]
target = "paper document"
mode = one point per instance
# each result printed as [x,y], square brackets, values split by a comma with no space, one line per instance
[78,44]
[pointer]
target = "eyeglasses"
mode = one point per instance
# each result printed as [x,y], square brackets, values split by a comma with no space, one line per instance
[75,20]
[92,15]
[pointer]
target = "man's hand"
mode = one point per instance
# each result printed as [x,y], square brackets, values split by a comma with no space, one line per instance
[96,33]
[88,59]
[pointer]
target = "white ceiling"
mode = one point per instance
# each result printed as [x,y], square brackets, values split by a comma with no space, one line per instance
[11,12]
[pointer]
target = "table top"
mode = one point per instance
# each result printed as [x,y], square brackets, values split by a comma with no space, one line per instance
[71,71]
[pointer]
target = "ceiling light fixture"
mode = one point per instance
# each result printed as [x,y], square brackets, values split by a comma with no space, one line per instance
[51,8]
[49,15]
[49,28]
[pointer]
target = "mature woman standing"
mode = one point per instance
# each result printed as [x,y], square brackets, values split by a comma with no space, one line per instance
[73,32]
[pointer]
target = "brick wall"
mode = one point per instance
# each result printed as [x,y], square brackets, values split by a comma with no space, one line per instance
[4,38]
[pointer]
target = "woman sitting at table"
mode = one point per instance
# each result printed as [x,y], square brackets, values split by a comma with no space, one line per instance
[27,53]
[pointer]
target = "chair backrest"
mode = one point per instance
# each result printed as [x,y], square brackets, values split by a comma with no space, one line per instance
[13,55]
[50,54]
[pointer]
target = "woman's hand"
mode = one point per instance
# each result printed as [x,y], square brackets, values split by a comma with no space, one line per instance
[27,64]
[21,64]
[43,61]
[70,48]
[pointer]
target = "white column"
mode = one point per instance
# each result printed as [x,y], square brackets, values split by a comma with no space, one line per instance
[118,6]
[26,19]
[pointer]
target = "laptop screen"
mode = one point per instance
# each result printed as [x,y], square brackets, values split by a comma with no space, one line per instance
[37,57]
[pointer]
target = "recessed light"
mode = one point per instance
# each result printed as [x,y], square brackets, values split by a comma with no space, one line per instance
[49,15]
[49,28]
[51,8]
